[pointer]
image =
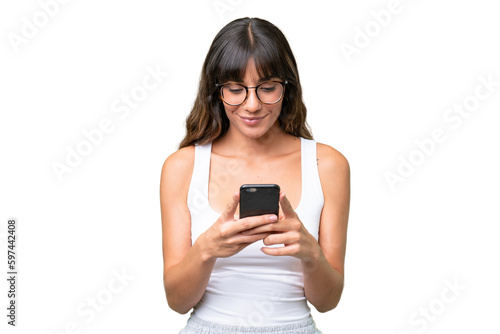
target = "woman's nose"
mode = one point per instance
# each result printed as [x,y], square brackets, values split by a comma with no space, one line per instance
[252,102]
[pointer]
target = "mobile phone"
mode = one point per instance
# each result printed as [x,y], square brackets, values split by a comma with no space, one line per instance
[259,199]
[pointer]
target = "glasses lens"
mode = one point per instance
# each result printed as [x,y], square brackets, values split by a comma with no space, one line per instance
[233,93]
[270,92]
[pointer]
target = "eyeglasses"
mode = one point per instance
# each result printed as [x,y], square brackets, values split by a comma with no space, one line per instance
[269,92]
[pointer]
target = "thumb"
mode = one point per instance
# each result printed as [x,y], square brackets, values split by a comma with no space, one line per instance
[286,206]
[228,213]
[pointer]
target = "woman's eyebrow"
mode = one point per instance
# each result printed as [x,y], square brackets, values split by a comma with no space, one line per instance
[261,80]
[235,81]
[266,79]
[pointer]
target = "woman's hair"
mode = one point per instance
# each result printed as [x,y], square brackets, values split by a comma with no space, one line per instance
[227,59]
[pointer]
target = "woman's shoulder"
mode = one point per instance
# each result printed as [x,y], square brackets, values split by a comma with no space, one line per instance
[330,159]
[334,173]
[181,158]
[178,167]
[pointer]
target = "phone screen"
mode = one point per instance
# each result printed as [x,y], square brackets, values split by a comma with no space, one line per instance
[259,199]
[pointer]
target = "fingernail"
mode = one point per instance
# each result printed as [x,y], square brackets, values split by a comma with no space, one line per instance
[273,218]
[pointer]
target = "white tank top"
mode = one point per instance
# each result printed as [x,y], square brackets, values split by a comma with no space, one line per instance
[251,288]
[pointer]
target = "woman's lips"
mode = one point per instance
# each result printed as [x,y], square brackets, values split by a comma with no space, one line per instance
[251,120]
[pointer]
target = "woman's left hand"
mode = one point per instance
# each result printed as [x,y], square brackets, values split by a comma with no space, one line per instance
[290,231]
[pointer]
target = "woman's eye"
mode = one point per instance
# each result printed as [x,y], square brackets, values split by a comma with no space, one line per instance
[235,91]
[267,89]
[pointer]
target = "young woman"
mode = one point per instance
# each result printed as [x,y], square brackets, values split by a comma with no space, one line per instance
[248,126]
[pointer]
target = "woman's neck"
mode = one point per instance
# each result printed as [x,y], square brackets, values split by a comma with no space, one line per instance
[234,143]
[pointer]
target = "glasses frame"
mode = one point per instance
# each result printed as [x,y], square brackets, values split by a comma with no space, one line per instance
[220,86]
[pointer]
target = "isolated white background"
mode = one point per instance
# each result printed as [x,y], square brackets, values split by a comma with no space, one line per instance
[441,224]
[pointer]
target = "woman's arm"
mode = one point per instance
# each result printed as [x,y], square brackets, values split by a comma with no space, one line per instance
[324,272]
[322,260]
[186,272]
[187,268]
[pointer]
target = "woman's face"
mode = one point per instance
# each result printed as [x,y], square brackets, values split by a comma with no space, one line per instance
[253,118]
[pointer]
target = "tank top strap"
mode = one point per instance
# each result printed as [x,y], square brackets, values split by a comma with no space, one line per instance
[312,191]
[198,188]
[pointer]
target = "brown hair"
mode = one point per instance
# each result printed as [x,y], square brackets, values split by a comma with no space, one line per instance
[227,60]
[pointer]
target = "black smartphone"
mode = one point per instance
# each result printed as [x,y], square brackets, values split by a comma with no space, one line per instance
[259,199]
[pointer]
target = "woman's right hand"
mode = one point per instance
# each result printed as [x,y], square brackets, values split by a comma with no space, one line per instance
[224,238]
